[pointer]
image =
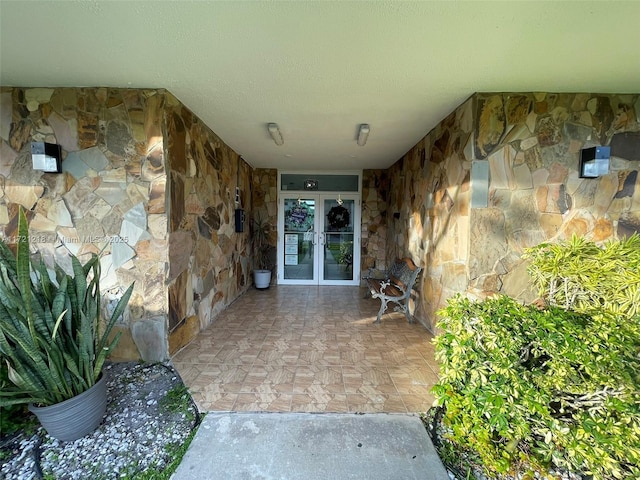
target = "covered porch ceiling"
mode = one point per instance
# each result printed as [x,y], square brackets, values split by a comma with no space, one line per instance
[319,69]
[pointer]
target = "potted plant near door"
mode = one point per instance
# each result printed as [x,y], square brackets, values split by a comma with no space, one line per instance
[263,252]
[52,341]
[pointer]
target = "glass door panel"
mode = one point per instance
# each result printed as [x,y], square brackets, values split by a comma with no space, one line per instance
[299,244]
[337,239]
[317,233]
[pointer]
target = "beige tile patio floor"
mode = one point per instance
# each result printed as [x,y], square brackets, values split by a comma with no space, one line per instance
[309,349]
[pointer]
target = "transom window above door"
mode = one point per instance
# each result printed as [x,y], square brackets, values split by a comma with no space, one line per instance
[320,182]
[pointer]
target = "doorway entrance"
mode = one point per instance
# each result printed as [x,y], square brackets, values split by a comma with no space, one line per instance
[319,238]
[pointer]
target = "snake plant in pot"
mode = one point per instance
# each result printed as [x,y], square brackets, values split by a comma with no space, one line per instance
[52,339]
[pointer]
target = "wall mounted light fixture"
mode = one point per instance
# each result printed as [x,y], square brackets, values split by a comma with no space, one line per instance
[594,162]
[363,134]
[274,131]
[310,184]
[46,157]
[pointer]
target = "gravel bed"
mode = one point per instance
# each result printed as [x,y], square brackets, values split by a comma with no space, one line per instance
[138,431]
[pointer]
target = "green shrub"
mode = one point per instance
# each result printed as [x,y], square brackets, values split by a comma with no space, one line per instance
[541,388]
[579,275]
[53,341]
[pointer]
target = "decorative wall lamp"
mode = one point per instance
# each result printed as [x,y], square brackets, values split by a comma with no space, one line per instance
[363,134]
[274,131]
[594,162]
[46,157]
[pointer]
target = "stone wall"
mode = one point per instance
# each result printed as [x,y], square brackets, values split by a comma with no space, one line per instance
[110,197]
[208,261]
[264,191]
[264,200]
[173,235]
[428,211]
[469,231]
[375,194]
[532,144]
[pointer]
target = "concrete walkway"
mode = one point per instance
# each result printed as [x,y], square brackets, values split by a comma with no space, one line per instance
[307,446]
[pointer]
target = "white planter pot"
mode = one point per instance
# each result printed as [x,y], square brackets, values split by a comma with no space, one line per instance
[262,278]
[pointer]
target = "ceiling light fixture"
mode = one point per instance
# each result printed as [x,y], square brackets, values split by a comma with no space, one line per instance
[363,134]
[274,131]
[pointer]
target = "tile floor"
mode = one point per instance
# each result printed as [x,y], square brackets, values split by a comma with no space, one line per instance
[309,349]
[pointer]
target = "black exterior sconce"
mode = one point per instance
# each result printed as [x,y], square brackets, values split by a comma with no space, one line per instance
[594,162]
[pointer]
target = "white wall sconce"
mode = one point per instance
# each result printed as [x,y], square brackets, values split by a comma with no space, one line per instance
[363,134]
[594,162]
[46,157]
[274,131]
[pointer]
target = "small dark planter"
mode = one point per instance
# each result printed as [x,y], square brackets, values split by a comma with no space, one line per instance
[76,417]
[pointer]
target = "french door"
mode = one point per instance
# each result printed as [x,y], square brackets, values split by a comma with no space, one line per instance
[319,239]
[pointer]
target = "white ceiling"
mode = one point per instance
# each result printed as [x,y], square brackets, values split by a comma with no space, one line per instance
[319,69]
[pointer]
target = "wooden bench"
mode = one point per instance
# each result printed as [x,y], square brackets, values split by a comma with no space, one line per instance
[395,286]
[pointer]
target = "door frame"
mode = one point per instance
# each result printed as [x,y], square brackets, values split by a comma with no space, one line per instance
[319,197]
[356,239]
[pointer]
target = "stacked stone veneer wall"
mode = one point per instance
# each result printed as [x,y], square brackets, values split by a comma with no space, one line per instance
[375,193]
[112,198]
[264,191]
[530,145]
[428,210]
[208,259]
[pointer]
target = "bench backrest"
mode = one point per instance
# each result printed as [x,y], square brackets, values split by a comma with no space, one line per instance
[403,273]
